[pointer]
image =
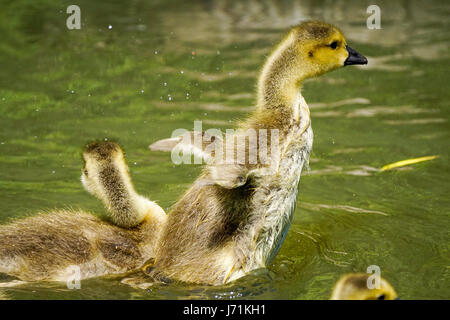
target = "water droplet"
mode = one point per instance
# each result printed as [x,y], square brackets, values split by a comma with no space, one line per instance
[165,84]
[181,71]
[142,91]
[156,51]
[218,52]
[53,171]
[135,163]
[110,27]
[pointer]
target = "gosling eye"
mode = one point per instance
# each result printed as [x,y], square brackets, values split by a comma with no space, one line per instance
[334,45]
[85,172]
[381,297]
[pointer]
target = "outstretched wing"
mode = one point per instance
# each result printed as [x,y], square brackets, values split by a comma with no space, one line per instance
[199,144]
[205,146]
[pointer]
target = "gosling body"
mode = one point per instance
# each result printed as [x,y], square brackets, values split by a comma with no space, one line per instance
[46,247]
[220,231]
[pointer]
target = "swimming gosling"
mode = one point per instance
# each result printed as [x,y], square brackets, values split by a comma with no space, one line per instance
[47,246]
[354,286]
[236,215]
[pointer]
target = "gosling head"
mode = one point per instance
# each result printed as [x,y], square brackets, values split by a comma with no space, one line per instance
[102,160]
[308,50]
[354,287]
[323,48]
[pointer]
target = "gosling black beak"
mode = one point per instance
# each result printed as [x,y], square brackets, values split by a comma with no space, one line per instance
[354,57]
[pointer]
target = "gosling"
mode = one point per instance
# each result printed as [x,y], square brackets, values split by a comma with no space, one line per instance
[236,215]
[47,246]
[354,286]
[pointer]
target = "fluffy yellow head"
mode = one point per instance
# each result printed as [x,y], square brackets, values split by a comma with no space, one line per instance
[321,47]
[354,287]
[308,50]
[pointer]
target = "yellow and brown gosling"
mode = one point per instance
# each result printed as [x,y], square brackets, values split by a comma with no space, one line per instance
[47,246]
[235,216]
[354,286]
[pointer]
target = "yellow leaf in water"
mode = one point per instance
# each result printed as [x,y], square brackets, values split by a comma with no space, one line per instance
[407,162]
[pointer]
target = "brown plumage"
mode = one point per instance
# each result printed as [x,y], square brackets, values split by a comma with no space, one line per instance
[44,246]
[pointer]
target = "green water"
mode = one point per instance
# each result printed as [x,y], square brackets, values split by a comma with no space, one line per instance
[163,64]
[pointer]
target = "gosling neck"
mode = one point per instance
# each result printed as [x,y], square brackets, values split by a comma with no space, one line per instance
[281,77]
[127,208]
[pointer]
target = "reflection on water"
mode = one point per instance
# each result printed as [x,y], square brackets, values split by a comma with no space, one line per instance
[164,64]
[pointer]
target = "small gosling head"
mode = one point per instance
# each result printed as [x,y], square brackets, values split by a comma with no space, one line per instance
[323,47]
[354,286]
[100,157]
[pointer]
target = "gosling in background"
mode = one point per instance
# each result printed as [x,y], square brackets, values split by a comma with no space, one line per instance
[353,286]
[45,246]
